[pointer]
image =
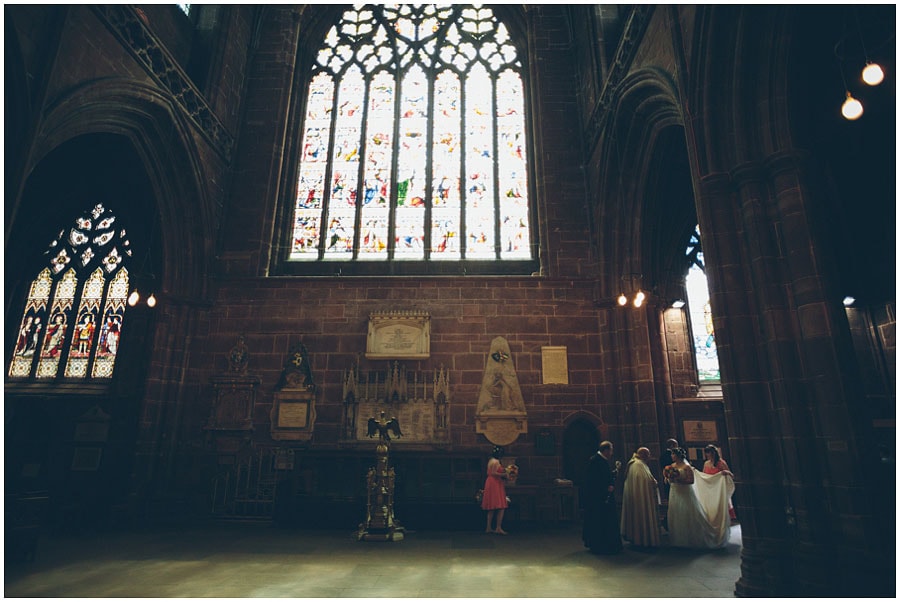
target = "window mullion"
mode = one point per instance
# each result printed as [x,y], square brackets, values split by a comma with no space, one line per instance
[395,164]
[329,166]
[363,154]
[498,219]
[429,165]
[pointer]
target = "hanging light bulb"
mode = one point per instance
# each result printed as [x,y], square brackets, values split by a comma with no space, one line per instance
[639,299]
[872,74]
[151,300]
[133,298]
[851,109]
[623,299]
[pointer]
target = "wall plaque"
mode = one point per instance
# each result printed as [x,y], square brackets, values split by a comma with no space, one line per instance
[701,431]
[399,335]
[555,363]
[293,414]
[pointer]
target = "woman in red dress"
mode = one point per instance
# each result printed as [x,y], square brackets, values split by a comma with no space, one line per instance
[494,498]
[715,464]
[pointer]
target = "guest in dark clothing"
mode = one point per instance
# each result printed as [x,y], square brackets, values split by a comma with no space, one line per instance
[601,519]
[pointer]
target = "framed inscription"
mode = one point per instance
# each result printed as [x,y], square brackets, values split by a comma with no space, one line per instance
[293,414]
[700,431]
[399,335]
[555,364]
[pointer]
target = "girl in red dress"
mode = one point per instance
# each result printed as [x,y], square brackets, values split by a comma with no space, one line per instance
[494,498]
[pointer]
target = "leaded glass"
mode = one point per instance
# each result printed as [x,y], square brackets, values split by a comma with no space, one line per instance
[52,333]
[418,110]
[700,314]
[60,316]
[35,316]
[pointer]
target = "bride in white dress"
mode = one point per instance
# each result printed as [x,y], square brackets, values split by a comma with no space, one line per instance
[698,505]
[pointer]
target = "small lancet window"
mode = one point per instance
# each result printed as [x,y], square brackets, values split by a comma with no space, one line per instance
[700,313]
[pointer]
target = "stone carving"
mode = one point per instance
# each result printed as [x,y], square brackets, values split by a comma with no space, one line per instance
[293,414]
[500,412]
[421,407]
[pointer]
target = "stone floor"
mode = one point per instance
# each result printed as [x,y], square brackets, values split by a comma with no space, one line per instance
[260,561]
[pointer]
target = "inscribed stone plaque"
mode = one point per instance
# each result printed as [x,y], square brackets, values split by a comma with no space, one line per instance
[293,414]
[700,430]
[556,365]
[399,335]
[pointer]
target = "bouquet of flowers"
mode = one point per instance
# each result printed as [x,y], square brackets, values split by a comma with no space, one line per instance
[512,473]
[671,473]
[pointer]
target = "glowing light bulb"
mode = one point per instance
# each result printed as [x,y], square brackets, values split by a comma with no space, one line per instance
[133,298]
[851,109]
[622,299]
[151,300]
[639,299]
[873,74]
[848,301]
[678,304]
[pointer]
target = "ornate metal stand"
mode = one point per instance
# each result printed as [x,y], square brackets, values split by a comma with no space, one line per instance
[380,523]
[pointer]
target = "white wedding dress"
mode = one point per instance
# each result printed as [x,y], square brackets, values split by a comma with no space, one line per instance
[698,512]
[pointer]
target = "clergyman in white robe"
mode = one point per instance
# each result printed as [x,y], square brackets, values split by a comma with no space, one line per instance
[640,502]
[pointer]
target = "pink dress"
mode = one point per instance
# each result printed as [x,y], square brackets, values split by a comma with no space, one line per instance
[494,497]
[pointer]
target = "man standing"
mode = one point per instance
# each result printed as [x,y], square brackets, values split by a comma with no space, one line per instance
[601,521]
[640,502]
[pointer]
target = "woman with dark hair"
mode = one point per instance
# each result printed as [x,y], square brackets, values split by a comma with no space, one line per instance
[714,464]
[698,505]
[494,497]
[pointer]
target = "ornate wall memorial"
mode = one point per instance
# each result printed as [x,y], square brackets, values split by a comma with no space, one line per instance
[419,401]
[500,414]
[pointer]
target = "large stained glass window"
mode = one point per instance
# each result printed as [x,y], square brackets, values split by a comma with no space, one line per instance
[700,314]
[76,305]
[413,145]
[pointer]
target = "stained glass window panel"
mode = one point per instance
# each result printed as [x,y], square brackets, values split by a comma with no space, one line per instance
[311,184]
[111,326]
[700,315]
[85,326]
[417,110]
[33,320]
[60,315]
[481,211]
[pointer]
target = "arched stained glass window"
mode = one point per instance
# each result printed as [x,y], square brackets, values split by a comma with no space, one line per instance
[700,313]
[414,141]
[76,305]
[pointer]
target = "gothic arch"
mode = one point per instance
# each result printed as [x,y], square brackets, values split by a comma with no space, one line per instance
[159,135]
[742,64]
[644,123]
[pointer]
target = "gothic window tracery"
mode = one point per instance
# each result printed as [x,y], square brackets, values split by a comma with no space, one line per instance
[414,141]
[75,307]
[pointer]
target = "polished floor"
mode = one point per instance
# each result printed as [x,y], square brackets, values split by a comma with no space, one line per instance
[260,561]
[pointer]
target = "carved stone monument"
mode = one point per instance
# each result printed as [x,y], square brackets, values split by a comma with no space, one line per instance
[230,422]
[500,413]
[293,414]
[423,407]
